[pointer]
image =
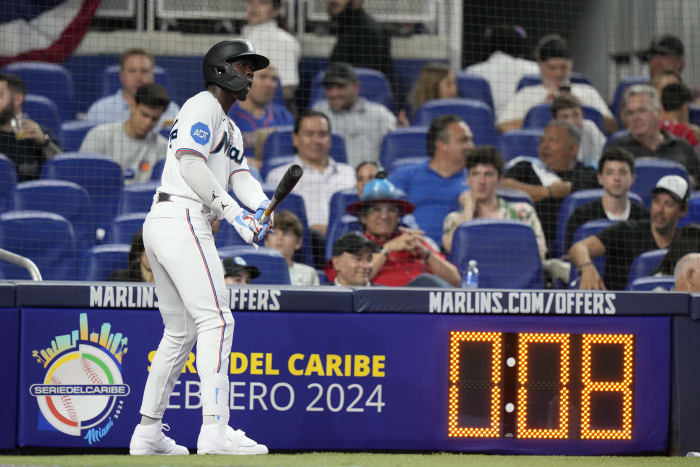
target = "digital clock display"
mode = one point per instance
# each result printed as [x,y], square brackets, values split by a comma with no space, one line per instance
[530,385]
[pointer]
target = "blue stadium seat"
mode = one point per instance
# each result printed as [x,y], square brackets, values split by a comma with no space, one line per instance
[45,238]
[540,115]
[651,283]
[272,266]
[112,84]
[486,240]
[279,143]
[374,86]
[124,227]
[694,114]
[101,261]
[101,177]
[44,111]
[516,143]
[8,180]
[532,80]
[339,201]
[588,229]
[67,199]
[274,162]
[404,146]
[649,170]
[137,197]
[473,86]
[157,171]
[73,133]
[645,264]
[49,80]
[478,116]
[620,90]
[693,215]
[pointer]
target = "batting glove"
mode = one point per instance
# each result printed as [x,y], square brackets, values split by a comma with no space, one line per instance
[268,224]
[246,226]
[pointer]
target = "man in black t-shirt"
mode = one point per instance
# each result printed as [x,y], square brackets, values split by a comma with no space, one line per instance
[616,176]
[553,176]
[622,242]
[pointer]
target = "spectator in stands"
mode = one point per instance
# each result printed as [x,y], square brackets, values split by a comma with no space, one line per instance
[675,111]
[361,41]
[664,78]
[506,64]
[641,108]
[137,67]
[286,238]
[139,268]
[434,185]
[360,122]
[664,53]
[133,143]
[22,140]
[686,241]
[616,176]
[407,258]
[281,47]
[364,172]
[258,112]
[322,175]
[568,108]
[554,60]
[553,176]
[687,274]
[238,272]
[352,258]
[622,242]
[435,81]
[484,172]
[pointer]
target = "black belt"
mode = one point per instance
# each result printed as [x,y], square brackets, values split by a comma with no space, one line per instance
[163,197]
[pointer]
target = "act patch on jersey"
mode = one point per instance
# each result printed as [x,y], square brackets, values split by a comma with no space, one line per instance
[200,133]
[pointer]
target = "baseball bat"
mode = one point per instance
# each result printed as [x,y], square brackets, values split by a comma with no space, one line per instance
[284,187]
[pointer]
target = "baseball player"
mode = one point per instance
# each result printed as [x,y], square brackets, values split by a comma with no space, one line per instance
[205,155]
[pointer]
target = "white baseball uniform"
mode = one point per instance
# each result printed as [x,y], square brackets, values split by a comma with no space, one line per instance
[180,247]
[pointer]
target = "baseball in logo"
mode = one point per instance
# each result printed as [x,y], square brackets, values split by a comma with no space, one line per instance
[82,391]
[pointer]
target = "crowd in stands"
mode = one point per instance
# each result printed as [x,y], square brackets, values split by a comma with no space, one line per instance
[357,223]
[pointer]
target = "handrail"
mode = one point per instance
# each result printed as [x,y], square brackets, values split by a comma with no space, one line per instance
[22,262]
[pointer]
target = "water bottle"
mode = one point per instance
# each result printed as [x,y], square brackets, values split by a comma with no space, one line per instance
[471,278]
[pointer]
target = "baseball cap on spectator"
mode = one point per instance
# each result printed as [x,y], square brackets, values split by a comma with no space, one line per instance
[235,264]
[666,44]
[380,190]
[551,46]
[339,73]
[353,243]
[674,185]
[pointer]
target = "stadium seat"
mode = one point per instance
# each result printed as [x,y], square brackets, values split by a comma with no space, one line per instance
[8,180]
[645,264]
[73,133]
[45,238]
[49,80]
[478,116]
[486,241]
[620,90]
[339,201]
[533,80]
[516,143]
[274,162]
[693,215]
[404,146]
[694,114]
[157,171]
[649,170]
[540,115]
[473,86]
[44,111]
[112,84]
[279,143]
[651,283]
[67,199]
[374,86]
[585,231]
[124,226]
[272,265]
[101,177]
[101,261]
[137,197]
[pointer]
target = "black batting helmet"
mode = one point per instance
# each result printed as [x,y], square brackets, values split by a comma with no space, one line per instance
[217,66]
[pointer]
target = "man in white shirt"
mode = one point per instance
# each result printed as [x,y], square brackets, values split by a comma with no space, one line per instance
[554,60]
[133,144]
[137,67]
[322,175]
[360,122]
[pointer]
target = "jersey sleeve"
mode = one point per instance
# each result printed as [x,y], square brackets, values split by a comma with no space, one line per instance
[195,127]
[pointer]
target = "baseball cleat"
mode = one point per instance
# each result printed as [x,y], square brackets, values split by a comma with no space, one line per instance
[149,440]
[218,438]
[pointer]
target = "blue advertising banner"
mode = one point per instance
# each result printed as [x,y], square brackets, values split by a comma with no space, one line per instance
[9,339]
[377,381]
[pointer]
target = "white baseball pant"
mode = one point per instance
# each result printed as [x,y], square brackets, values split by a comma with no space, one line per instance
[192,300]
